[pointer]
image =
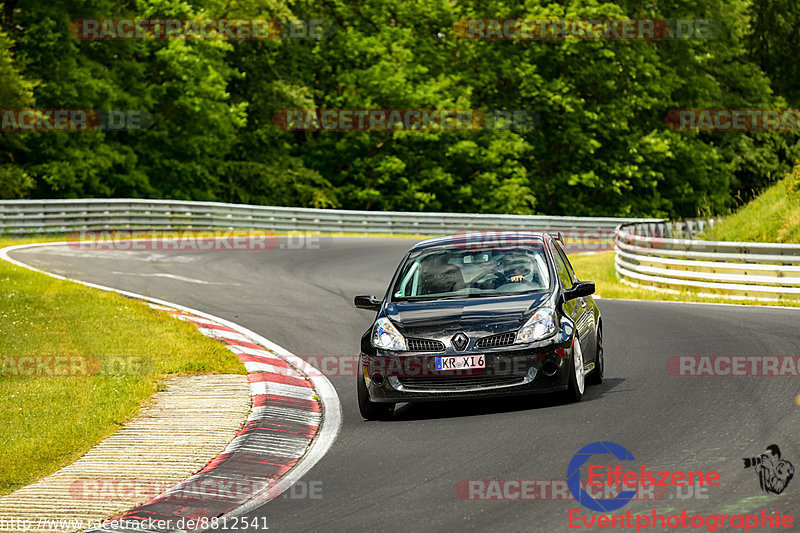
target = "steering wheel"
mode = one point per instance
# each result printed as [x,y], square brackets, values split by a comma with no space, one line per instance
[495,279]
[489,280]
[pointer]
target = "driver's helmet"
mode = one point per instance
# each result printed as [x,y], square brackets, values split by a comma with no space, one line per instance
[517,265]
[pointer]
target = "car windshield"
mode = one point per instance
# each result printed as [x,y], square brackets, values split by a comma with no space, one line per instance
[452,273]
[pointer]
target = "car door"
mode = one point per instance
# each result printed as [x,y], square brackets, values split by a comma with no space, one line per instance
[578,309]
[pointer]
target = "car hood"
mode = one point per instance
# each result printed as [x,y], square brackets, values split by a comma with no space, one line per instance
[479,315]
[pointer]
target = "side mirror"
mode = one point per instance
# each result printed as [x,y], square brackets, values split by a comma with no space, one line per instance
[370,302]
[579,290]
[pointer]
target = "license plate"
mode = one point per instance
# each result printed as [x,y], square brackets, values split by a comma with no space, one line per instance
[459,362]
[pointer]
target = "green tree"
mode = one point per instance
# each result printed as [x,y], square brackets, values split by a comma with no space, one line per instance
[182,85]
[601,145]
[15,93]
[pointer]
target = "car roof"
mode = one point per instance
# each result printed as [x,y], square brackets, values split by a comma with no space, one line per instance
[480,239]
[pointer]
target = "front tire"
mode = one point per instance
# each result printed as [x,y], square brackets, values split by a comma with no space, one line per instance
[577,382]
[371,410]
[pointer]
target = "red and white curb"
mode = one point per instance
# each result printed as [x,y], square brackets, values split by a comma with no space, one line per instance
[294,420]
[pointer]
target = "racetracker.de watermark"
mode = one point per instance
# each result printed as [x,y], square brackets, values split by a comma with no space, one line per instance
[584,29]
[242,29]
[574,240]
[437,365]
[53,120]
[195,489]
[194,241]
[191,521]
[47,366]
[558,490]
[734,119]
[404,119]
[734,366]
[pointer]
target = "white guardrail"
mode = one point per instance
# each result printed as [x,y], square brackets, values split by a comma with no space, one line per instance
[659,254]
[649,252]
[20,217]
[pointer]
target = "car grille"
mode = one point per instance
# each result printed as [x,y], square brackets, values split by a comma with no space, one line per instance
[425,345]
[495,341]
[459,383]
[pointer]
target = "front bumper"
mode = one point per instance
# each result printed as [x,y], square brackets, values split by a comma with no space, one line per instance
[513,370]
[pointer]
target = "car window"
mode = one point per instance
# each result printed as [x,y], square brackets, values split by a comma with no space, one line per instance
[453,273]
[561,269]
[566,262]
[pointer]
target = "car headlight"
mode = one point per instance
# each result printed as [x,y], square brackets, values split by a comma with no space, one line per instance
[540,326]
[386,336]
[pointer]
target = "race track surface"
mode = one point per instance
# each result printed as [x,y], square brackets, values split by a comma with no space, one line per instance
[400,475]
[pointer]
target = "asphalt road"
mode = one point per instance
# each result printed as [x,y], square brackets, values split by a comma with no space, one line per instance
[400,475]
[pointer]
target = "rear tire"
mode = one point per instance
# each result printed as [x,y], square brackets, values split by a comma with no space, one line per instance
[371,410]
[577,382]
[596,376]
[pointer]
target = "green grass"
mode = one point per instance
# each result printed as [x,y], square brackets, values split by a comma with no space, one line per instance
[599,267]
[774,216]
[48,422]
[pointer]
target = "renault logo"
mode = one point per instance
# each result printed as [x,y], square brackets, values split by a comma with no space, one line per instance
[459,341]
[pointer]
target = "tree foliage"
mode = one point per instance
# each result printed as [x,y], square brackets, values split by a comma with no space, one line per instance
[601,144]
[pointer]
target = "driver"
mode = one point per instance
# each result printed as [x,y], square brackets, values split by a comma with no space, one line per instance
[517,268]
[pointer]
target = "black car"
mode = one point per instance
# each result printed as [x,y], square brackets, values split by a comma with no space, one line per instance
[480,315]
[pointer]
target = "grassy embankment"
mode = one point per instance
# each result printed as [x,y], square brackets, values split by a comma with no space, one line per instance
[774,216]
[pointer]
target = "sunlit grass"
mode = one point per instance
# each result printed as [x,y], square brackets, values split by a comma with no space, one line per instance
[774,216]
